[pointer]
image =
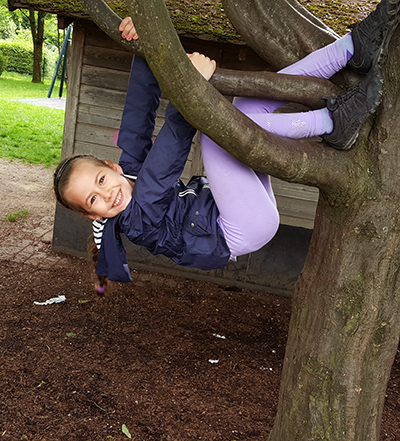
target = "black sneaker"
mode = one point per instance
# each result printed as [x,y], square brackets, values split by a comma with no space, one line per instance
[370,34]
[350,110]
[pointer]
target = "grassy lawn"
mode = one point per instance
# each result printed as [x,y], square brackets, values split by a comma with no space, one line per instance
[27,132]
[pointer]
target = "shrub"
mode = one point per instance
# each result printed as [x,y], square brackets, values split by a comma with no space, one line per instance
[7,26]
[3,63]
[19,56]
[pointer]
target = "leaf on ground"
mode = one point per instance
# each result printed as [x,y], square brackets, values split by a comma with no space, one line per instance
[126,432]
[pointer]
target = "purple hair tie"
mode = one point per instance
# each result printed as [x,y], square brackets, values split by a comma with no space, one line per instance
[100,289]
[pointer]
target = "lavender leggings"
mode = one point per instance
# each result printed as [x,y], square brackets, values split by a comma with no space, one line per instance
[245,199]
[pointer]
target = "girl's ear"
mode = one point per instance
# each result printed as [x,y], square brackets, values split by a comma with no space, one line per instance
[116,167]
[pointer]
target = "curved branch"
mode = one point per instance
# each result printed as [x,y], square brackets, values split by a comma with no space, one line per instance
[108,21]
[206,109]
[282,87]
[280,31]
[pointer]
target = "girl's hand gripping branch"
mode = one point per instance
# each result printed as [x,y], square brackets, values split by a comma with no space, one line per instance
[203,64]
[128,29]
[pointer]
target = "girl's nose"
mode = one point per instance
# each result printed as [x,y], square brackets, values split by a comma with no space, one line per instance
[107,193]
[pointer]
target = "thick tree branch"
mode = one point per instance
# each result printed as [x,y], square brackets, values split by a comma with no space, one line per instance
[280,31]
[108,21]
[282,87]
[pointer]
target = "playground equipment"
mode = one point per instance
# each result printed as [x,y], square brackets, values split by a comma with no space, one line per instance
[61,59]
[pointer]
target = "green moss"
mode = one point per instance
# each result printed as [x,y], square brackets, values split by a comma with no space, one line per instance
[70,7]
[350,308]
[201,18]
[194,17]
[338,15]
[368,230]
[208,17]
[380,335]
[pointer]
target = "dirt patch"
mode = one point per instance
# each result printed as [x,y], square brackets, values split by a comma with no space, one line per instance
[171,358]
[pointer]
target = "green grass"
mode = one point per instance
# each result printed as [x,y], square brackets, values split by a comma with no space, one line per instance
[28,132]
[21,216]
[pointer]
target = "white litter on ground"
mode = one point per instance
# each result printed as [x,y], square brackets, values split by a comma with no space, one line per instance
[58,299]
[219,336]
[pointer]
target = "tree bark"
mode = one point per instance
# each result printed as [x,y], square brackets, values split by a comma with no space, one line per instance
[37,30]
[280,31]
[295,88]
[345,325]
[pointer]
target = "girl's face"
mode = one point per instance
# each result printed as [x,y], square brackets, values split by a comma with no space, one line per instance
[100,190]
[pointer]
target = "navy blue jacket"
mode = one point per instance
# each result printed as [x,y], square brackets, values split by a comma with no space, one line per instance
[165,215]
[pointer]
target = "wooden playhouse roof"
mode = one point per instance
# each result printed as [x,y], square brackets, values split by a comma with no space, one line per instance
[206,18]
[194,17]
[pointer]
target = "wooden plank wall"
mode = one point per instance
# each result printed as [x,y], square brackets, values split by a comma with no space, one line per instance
[98,78]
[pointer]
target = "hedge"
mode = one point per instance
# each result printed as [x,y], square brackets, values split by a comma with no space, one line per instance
[19,56]
[3,63]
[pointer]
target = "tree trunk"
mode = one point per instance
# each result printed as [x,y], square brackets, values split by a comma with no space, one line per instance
[37,30]
[345,326]
[344,330]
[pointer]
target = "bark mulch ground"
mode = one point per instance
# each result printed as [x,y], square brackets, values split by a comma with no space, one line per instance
[169,358]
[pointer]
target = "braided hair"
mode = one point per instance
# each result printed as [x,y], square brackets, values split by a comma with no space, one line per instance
[62,177]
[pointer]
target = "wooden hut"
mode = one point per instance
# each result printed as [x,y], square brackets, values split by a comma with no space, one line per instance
[98,71]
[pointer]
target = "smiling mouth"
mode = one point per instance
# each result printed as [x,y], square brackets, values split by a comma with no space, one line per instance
[118,199]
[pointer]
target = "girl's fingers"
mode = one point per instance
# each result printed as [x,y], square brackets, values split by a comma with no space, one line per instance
[128,29]
[124,22]
[203,64]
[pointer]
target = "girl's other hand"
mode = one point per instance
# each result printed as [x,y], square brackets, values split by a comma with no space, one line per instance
[203,64]
[128,29]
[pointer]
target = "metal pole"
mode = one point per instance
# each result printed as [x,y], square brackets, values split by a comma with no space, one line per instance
[64,68]
[64,45]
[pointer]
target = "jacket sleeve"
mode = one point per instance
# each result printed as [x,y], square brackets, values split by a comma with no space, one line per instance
[138,118]
[156,184]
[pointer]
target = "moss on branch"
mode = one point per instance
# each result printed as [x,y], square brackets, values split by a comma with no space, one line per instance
[207,18]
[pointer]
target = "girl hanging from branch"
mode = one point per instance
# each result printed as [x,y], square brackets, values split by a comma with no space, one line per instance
[207,223]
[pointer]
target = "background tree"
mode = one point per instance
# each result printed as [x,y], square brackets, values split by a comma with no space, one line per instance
[39,27]
[7,25]
[345,325]
[36,20]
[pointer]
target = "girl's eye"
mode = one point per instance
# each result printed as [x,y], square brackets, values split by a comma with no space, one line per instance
[93,199]
[101,180]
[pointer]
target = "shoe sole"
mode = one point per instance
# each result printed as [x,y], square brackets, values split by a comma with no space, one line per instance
[352,140]
[378,78]
[391,27]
